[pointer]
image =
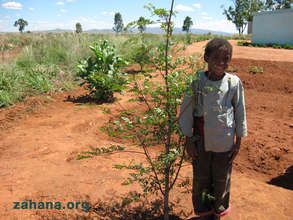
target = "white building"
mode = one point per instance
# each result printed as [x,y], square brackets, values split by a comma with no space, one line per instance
[273,27]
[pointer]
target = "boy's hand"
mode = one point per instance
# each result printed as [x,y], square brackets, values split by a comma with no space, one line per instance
[235,150]
[191,148]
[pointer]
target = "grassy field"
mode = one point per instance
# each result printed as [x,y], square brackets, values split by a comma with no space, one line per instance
[46,63]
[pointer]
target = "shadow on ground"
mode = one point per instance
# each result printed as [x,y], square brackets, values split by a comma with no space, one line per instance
[285,180]
[120,209]
[86,99]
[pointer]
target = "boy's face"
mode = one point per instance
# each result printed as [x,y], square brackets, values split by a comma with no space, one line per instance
[218,61]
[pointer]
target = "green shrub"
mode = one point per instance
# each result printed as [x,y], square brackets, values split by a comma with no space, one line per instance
[139,50]
[102,72]
[240,43]
[288,46]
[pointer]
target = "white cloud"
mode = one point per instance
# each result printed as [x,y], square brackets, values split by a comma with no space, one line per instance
[197,5]
[59,3]
[62,10]
[83,19]
[70,0]
[108,13]
[207,18]
[183,8]
[218,25]
[204,13]
[31,9]
[12,5]
[58,15]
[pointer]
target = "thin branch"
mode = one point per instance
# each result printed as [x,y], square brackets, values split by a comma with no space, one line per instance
[180,164]
[150,161]
[144,99]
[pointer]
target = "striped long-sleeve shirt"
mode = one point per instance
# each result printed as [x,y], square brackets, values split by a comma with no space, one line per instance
[222,105]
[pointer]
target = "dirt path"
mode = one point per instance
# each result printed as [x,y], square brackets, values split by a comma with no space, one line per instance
[268,54]
[41,139]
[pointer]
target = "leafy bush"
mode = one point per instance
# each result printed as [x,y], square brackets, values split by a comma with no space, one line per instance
[102,72]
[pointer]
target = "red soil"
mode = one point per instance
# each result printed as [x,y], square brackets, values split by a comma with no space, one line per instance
[41,138]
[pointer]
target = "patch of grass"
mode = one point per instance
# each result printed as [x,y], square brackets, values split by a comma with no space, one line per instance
[47,62]
[48,99]
[89,105]
[98,151]
[105,110]
[232,69]
[80,157]
[255,70]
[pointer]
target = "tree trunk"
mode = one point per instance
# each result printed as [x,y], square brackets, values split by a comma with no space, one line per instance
[166,195]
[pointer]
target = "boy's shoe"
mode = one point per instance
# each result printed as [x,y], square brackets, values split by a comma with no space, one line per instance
[215,217]
[207,217]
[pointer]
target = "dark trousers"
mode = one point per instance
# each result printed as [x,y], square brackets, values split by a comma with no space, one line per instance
[211,182]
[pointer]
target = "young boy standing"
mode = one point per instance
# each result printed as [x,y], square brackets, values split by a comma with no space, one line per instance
[213,119]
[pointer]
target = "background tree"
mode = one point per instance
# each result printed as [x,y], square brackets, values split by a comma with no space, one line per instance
[242,11]
[21,23]
[78,28]
[118,23]
[141,24]
[187,24]
[278,4]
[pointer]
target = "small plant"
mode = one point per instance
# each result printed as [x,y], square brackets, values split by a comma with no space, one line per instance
[232,69]
[240,43]
[98,151]
[105,110]
[155,124]
[255,69]
[140,51]
[102,72]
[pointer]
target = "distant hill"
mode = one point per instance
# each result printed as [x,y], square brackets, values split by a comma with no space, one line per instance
[157,30]
[154,30]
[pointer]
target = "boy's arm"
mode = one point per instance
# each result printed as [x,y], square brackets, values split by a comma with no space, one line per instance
[186,114]
[239,111]
[240,119]
[186,122]
[235,149]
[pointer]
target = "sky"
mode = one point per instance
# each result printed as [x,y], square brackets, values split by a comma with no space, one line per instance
[99,14]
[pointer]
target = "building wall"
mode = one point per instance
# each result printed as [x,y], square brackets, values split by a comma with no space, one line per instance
[273,27]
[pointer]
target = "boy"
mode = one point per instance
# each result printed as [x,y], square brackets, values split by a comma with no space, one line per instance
[210,119]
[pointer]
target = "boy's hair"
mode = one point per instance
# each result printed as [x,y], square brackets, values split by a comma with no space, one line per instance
[216,44]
